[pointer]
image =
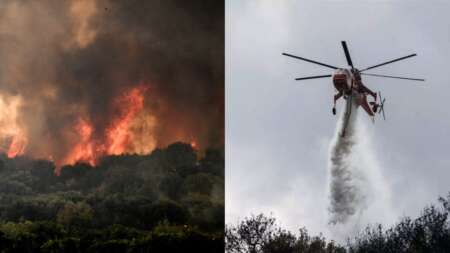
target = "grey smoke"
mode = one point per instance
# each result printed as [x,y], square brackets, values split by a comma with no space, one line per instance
[346,195]
[68,63]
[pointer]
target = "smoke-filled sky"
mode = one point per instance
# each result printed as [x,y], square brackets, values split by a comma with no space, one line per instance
[109,77]
[278,131]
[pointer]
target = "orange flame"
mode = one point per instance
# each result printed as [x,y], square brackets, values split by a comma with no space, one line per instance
[84,150]
[17,146]
[10,130]
[194,144]
[117,136]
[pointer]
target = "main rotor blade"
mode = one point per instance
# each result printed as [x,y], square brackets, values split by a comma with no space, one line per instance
[397,77]
[311,77]
[347,54]
[388,62]
[308,60]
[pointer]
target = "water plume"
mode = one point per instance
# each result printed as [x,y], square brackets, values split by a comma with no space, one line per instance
[346,196]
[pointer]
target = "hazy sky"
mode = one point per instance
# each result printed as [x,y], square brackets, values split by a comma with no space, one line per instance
[278,130]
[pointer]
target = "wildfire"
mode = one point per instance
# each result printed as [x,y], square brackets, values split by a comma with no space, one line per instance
[131,129]
[116,138]
[17,146]
[11,134]
[84,149]
[118,135]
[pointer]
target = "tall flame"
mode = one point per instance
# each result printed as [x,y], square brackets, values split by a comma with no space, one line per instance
[118,134]
[17,146]
[84,149]
[11,134]
[117,137]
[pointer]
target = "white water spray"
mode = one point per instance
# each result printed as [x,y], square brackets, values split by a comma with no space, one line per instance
[358,192]
[345,181]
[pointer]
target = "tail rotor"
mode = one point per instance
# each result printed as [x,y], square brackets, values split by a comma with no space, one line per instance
[381,110]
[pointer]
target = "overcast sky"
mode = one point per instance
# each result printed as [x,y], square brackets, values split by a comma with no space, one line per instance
[278,130]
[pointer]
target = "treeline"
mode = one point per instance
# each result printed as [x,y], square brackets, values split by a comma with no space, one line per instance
[261,234]
[170,200]
[430,232]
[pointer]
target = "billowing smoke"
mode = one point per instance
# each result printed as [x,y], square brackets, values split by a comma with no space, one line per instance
[84,78]
[346,194]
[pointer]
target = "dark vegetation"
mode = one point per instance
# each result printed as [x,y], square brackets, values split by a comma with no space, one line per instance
[261,234]
[430,232]
[167,201]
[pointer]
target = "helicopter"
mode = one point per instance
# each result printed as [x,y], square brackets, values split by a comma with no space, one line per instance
[348,84]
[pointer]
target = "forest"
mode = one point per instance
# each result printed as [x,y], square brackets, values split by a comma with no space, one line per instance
[171,200]
[430,232]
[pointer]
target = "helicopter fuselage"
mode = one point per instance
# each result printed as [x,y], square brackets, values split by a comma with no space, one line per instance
[343,80]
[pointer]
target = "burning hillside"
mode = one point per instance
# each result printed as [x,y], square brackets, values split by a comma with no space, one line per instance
[122,135]
[83,79]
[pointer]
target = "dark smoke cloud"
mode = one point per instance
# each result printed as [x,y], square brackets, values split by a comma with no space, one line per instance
[72,58]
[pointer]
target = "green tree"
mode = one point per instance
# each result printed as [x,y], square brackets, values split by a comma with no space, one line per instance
[260,234]
[75,215]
